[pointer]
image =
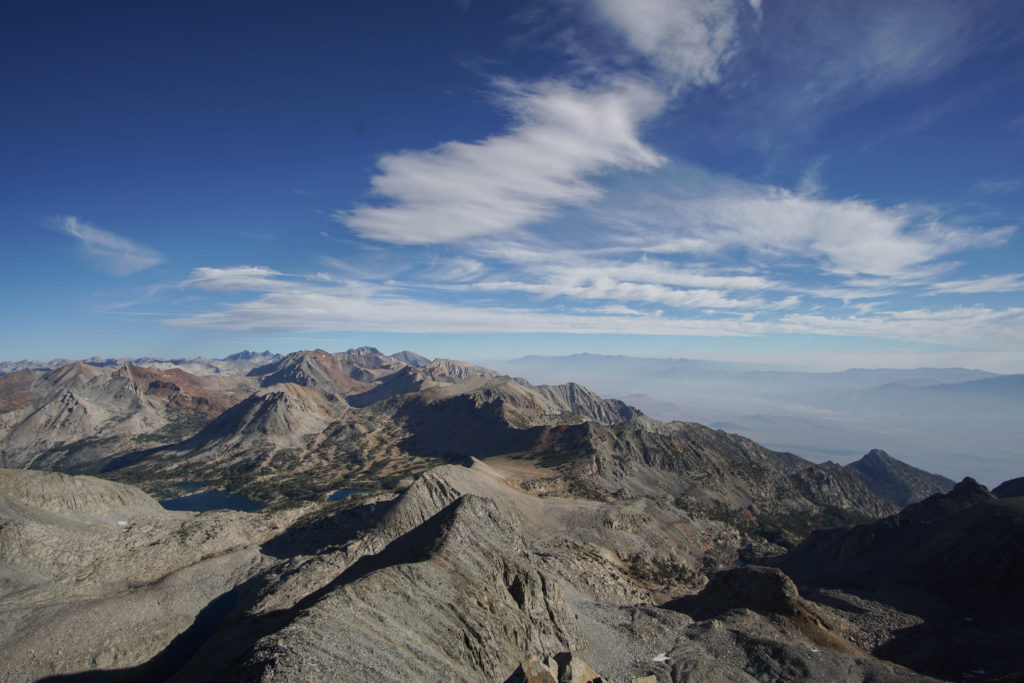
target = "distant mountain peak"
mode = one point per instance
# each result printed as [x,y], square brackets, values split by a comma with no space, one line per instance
[365,351]
[248,355]
[896,481]
[411,358]
[970,488]
[1013,488]
[445,369]
[878,455]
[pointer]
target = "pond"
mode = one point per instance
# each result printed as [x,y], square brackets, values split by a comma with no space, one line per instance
[212,500]
[341,494]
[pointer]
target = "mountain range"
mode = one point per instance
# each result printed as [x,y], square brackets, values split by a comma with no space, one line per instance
[500,529]
[307,423]
[236,363]
[954,421]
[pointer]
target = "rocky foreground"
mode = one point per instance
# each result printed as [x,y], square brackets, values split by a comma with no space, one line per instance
[467,576]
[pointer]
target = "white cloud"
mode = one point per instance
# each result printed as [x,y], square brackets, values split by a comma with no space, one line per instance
[983,285]
[457,269]
[575,269]
[852,236]
[687,39]
[999,186]
[580,275]
[113,253]
[700,214]
[715,255]
[976,326]
[461,190]
[619,309]
[607,288]
[800,62]
[302,305]
[237,278]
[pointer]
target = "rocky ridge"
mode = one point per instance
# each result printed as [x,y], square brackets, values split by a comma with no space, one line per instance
[897,482]
[462,577]
[504,520]
[95,574]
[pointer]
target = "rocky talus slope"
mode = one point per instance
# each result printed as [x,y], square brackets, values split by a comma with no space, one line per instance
[96,575]
[465,576]
[77,415]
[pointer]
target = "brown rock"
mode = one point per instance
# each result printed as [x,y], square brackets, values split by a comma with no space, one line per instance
[533,670]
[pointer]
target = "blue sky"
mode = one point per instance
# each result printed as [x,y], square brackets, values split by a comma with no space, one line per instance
[821,184]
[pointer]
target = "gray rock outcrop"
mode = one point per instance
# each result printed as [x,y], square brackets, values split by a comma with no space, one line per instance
[96,575]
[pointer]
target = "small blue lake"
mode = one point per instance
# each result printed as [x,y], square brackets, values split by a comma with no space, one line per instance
[341,494]
[212,500]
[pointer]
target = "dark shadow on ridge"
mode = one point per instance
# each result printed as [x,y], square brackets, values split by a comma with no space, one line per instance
[457,427]
[172,658]
[332,531]
[228,648]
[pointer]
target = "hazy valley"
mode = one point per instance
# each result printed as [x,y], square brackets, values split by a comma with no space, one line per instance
[953,421]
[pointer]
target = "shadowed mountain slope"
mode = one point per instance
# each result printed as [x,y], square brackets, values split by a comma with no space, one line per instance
[897,482]
[965,545]
[1013,488]
[956,560]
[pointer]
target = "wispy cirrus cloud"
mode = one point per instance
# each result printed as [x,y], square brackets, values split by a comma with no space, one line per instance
[234,279]
[789,65]
[564,136]
[692,212]
[567,136]
[111,252]
[973,326]
[461,190]
[1013,282]
[618,290]
[808,61]
[579,276]
[999,186]
[301,303]
[848,236]
[688,41]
